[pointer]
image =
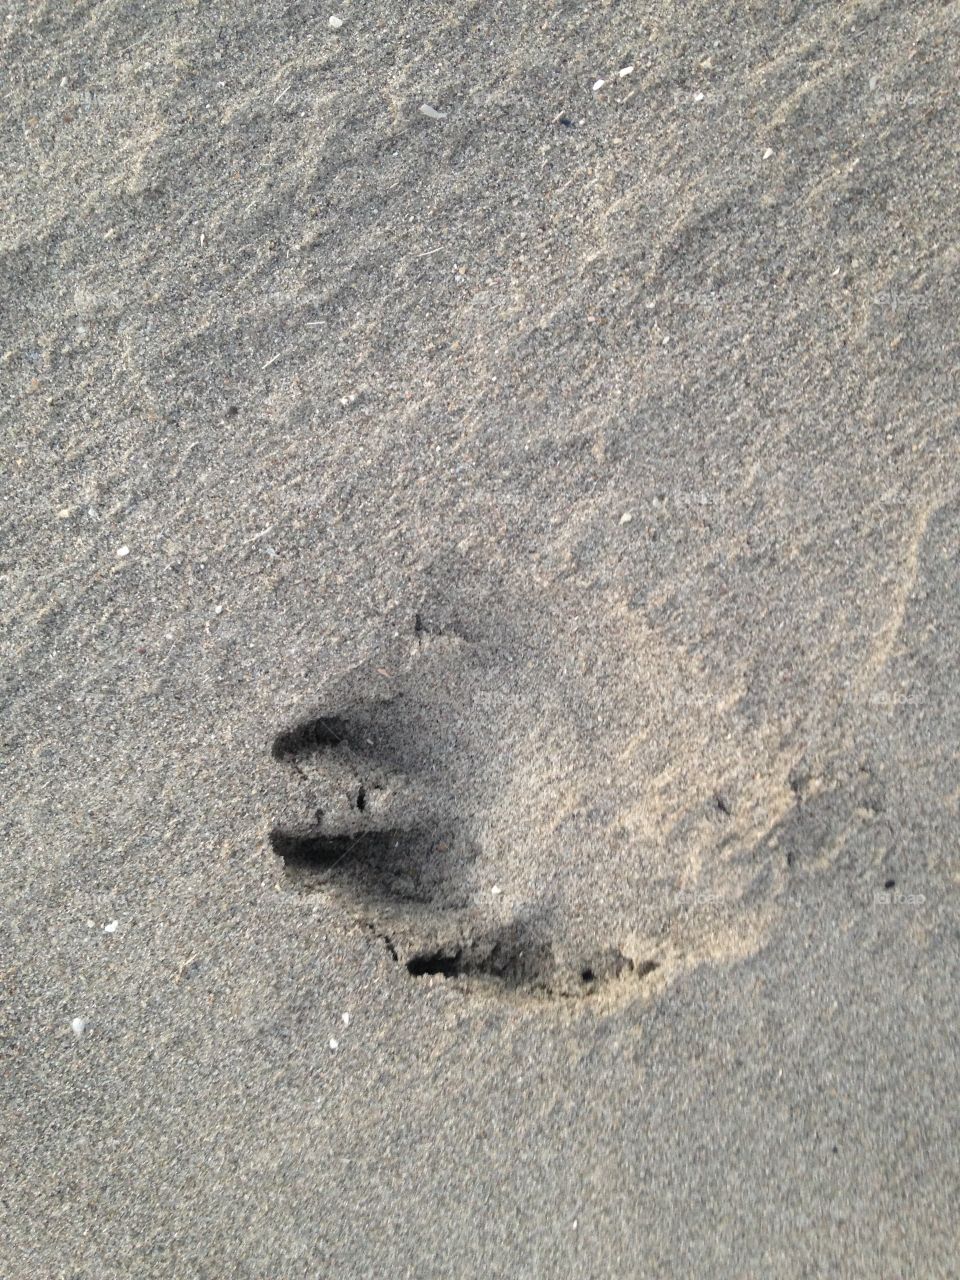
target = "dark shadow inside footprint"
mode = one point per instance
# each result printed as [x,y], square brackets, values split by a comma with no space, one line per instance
[448,964]
[377,865]
[311,735]
[520,957]
[381,732]
[513,956]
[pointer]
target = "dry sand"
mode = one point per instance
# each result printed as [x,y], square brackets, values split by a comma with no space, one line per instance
[589,452]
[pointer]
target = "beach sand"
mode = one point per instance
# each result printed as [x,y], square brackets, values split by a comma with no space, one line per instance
[577,459]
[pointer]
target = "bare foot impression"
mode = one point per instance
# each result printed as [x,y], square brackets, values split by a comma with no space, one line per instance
[396,792]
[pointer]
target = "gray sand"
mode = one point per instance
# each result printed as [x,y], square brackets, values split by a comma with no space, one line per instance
[591,452]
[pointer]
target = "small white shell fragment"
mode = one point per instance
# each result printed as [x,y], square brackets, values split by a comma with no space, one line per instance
[112,927]
[78,1026]
[626,517]
[698,97]
[432,112]
[334,1044]
[768,153]
[625,71]
[122,551]
[335,22]
[345,1019]
[599,85]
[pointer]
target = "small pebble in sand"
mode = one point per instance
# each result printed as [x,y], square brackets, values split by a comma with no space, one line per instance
[78,1026]
[334,1044]
[122,552]
[768,153]
[345,1019]
[698,97]
[598,85]
[432,112]
[626,517]
[112,927]
[335,22]
[625,71]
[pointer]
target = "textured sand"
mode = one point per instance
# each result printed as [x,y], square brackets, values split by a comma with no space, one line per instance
[593,453]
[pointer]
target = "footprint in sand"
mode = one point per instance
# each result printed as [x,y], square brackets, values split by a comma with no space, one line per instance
[391,824]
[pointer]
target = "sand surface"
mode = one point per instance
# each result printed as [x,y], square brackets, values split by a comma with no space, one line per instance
[481,591]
